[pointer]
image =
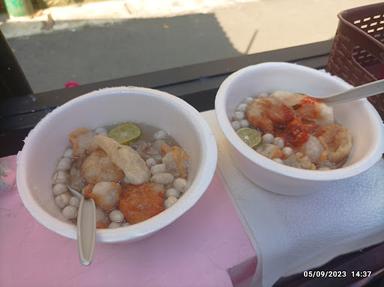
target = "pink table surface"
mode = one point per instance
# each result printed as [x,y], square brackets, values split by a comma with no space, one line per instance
[206,247]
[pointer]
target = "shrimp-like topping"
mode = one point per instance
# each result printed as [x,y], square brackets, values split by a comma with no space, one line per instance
[337,143]
[308,109]
[268,114]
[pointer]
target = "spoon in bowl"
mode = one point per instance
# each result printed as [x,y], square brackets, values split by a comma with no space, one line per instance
[359,92]
[86,227]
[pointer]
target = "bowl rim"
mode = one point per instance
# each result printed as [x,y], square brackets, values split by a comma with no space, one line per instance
[368,160]
[199,184]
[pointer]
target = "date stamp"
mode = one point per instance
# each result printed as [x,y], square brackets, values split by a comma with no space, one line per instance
[325,274]
[336,273]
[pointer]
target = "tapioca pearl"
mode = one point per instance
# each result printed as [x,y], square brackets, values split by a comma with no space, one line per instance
[150,162]
[157,158]
[239,115]
[248,100]
[242,107]
[100,215]
[74,201]
[158,168]
[236,125]
[64,164]
[278,160]
[161,134]
[244,123]
[69,212]
[180,184]
[170,201]
[61,177]
[162,178]
[114,225]
[287,151]
[260,148]
[59,188]
[101,131]
[172,192]
[268,138]
[68,153]
[116,216]
[62,200]
[262,95]
[279,142]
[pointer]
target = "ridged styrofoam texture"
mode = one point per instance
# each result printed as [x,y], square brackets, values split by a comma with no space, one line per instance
[359,117]
[46,143]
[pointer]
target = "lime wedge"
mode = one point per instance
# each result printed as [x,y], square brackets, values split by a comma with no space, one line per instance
[125,133]
[250,136]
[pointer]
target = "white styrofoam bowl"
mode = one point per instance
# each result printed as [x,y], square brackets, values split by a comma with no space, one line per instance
[46,143]
[359,117]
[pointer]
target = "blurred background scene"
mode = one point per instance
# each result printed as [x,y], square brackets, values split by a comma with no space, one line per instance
[57,41]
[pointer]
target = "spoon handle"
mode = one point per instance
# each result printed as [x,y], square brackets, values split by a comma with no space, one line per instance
[86,230]
[356,93]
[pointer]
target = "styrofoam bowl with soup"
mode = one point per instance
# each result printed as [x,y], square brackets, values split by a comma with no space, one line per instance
[284,139]
[144,156]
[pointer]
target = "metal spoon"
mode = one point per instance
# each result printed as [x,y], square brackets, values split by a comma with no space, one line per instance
[359,92]
[86,228]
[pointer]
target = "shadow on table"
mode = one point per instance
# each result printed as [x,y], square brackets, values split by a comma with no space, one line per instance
[129,47]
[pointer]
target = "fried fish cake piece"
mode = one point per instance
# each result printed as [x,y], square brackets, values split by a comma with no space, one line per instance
[105,194]
[81,140]
[337,143]
[140,202]
[126,158]
[176,160]
[99,167]
[268,113]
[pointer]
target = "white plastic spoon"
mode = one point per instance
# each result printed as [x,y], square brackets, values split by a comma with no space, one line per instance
[86,228]
[359,92]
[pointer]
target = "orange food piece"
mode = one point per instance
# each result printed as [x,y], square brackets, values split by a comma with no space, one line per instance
[81,140]
[280,114]
[278,153]
[337,142]
[87,190]
[175,159]
[101,225]
[308,110]
[140,202]
[295,134]
[309,100]
[268,114]
[105,194]
[165,149]
[181,158]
